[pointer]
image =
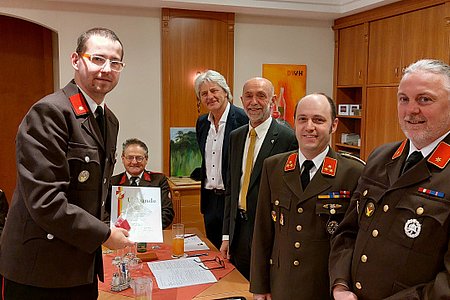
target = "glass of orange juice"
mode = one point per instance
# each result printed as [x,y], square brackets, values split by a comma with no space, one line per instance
[177,240]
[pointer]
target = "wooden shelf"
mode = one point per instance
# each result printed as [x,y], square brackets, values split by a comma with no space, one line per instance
[347,146]
[349,117]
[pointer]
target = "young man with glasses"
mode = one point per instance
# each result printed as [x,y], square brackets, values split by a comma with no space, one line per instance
[134,159]
[65,149]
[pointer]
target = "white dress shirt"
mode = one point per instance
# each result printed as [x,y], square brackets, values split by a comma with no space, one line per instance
[213,152]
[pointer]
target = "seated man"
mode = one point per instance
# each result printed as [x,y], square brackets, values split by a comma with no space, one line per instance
[134,159]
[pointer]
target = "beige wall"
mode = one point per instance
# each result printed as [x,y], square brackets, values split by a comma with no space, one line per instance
[137,99]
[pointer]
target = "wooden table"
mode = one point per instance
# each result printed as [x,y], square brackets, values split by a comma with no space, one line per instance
[233,284]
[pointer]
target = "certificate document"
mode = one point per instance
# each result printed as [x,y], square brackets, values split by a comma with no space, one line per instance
[141,208]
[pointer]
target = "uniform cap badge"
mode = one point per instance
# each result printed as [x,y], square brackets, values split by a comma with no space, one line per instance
[332,226]
[370,208]
[274,216]
[412,228]
[83,176]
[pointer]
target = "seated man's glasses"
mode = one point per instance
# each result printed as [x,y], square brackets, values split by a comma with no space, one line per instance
[211,264]
[138,158]
[100,61]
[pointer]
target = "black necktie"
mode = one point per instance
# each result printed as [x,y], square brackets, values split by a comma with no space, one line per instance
[307,166]
[100,120]
[413,159]
[134,180]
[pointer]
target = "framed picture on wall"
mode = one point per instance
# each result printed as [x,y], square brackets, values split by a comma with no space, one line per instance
[185,155]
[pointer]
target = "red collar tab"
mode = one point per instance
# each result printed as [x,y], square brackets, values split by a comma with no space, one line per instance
[147,176]
[399,150]
[79,104]
[329,166]
[440,156]
[291,162]
[123,179]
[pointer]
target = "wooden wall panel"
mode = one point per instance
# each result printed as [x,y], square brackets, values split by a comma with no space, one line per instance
[192,42]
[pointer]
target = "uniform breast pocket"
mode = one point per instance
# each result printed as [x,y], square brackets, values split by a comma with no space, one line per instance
[84,166]
[421,223]
[281,206]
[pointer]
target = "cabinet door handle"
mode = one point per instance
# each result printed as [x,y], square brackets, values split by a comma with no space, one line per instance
[396,72]
[359,74]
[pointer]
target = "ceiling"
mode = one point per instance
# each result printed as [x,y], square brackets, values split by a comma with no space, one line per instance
[312,9]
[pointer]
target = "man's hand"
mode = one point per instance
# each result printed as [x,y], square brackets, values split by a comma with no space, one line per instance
[262,296]
[341,292]
[225,249]
[118,239]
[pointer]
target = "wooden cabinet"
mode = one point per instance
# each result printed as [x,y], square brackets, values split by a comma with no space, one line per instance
[186,204]
[398,41]
[385,40]
[381,119]
[351,55]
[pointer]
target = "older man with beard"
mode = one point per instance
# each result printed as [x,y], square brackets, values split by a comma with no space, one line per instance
[394,242]
[249,146]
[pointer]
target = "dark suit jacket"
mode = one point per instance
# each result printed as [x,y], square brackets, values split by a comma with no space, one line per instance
[236,118]
[397,266]
[279,138]
[291,241]
[53,232]
[152,179]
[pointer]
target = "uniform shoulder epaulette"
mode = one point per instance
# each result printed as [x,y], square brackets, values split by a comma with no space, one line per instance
[440,156]
[291,162]
[350,156]
[79,104]
[399,150]
[329,166]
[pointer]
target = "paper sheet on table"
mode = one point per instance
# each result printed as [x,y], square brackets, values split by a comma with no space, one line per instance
[141,207]
[180,272]
[194,243]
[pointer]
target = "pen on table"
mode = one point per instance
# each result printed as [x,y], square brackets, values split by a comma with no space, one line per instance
[197,255]
[189,235]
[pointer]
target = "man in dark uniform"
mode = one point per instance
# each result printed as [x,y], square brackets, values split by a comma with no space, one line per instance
[302,199]
[213,133]
[134,159]
[270,138]
[394,242]
[51,243]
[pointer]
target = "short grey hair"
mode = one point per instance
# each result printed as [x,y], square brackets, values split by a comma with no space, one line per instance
[431,66]
[215,77]
[134,141]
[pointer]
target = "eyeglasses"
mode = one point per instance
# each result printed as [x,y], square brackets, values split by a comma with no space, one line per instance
[138,158]
[211,264]
[100,61]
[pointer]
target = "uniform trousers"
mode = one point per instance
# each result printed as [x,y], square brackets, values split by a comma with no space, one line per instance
[213,216]
[240,247]
[17,291]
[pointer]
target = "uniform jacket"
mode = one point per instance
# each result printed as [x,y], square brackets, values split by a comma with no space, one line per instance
[395,239]
[53,232]
[279,138]
[291,241]
[152,179]
[236,118]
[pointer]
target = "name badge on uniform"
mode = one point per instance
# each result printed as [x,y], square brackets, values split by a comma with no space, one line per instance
[412,228]
[83,176]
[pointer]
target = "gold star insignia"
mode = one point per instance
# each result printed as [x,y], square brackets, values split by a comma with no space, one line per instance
[438,159]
